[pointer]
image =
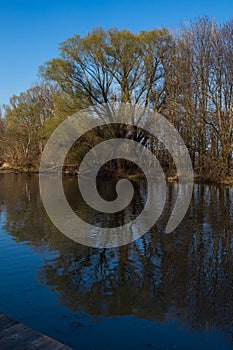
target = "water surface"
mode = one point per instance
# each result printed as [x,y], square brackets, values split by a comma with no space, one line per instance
[162,291]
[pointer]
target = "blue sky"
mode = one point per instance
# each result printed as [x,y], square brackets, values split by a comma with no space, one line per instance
[31,30]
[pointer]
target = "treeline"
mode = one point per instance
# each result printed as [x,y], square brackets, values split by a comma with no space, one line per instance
[187,76]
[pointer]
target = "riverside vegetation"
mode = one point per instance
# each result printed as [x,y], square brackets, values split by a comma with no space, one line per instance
[186,75]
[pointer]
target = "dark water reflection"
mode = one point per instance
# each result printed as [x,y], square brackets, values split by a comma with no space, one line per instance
[183,280]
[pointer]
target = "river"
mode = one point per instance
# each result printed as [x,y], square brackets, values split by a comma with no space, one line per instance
[163,291]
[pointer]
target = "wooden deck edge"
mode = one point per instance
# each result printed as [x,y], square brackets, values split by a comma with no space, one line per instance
[16,336]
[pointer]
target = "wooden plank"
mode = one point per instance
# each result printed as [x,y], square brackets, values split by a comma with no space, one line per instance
[16,336]
[11,336]
[6,322]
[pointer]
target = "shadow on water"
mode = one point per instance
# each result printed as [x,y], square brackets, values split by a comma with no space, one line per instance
[185,276]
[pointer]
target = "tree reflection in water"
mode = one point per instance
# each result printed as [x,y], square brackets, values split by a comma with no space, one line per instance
[186,275]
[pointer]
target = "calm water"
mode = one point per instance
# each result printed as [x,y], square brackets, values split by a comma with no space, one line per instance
[161,292]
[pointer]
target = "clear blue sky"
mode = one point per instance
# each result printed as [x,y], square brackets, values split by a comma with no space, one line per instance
[31,30]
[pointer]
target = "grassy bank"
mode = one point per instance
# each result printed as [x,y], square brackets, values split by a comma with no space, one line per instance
[171,177]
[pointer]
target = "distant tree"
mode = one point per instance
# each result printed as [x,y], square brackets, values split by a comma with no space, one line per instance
[113,65]
[25,118]
[2,140]
[204,81]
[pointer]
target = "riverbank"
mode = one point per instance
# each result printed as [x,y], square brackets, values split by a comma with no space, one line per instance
[171,176]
